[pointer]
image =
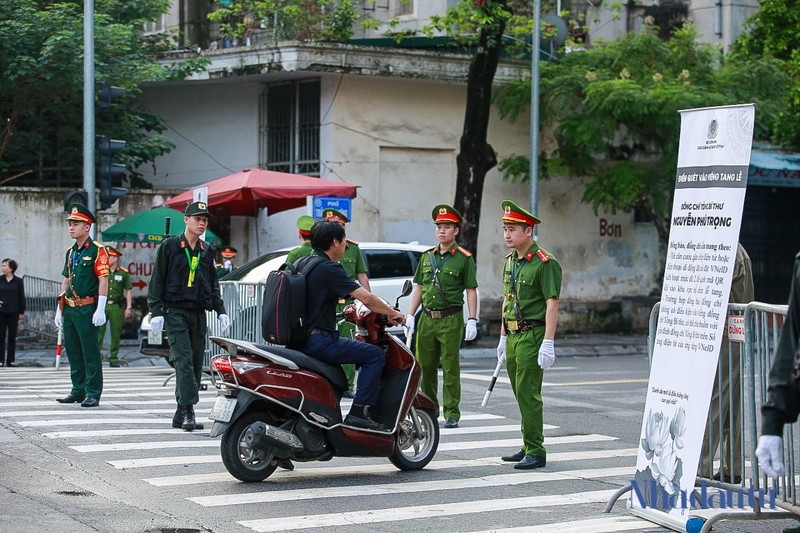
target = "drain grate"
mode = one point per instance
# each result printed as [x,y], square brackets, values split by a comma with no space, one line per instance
[75,493]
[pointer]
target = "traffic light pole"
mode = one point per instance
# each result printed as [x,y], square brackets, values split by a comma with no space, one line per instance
[88,105]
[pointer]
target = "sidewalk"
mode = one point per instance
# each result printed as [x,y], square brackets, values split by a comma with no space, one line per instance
[584,345]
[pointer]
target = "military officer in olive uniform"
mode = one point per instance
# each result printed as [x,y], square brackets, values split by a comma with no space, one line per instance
[354,265]
[82,308]
[228,254]
[531,288]
[183,287]
[443,274]
[118,305]
[304,224]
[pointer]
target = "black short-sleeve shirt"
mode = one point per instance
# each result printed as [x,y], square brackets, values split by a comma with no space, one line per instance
[326,283]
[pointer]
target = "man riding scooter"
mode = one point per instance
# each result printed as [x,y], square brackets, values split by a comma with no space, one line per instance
[325,285]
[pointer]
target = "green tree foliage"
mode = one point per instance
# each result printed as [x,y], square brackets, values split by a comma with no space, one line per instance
[293,20]
[41,90]
[613,111]
[774,33]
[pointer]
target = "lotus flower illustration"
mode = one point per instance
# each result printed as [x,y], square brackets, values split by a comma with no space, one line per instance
[678,427]
[656,434]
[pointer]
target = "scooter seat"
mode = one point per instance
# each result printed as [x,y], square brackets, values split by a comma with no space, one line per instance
[332,373]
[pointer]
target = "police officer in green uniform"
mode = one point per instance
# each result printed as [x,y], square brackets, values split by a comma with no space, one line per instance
[354,265]
[304,224]
[443,274]
[118,305]
[82,308]
[531,288]
[183,287]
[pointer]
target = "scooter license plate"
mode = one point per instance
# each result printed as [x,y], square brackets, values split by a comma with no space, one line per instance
[223,409]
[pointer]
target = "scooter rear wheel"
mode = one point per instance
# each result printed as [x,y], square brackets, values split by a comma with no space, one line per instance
[242,461]
[415,448]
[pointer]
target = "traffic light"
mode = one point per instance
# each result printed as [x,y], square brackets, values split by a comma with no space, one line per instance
[108,171]
[107,93]
[75,197]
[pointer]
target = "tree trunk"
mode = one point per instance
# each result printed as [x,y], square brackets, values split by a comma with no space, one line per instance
[476,157]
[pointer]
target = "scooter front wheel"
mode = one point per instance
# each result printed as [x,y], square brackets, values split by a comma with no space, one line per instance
[244,462]
[417,440]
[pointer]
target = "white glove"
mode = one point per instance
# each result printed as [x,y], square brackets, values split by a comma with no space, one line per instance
[501,349]
[770,455]
[58,320]
[227,265]
[472,330]
[157,324]
[99,316]
[409,325]
[547,354]
[224,321]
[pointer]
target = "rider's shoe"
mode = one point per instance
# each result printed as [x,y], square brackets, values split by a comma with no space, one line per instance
[359,417]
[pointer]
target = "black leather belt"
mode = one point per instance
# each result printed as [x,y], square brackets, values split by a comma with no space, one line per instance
[441,313]
[518,326]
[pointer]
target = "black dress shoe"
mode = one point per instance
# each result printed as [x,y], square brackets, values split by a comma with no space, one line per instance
[360,417]
[71,398]
[90,402]
[529,462]
[451,423]
[189,422]
[113,364]
[349,393]
[515,458]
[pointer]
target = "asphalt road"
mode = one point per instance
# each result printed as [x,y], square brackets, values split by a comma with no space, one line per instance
[121,467]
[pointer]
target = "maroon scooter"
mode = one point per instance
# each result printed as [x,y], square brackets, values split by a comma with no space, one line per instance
[275,403]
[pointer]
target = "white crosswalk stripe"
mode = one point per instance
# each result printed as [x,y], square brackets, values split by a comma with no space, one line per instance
[131,432]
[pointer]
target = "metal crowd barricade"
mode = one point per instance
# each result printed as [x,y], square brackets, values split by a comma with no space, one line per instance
[243,302]
[739,391]
[40,305]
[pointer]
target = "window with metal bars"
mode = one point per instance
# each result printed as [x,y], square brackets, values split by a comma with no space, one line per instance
[289,127]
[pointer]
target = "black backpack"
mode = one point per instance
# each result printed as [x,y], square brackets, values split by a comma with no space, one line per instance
[283,318]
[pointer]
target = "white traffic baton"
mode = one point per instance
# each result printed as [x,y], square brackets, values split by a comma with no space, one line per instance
[59,346]
[491,383]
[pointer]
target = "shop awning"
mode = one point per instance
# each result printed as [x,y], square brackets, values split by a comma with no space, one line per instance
[772,168]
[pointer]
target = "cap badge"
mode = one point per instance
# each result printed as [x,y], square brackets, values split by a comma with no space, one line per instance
[442,210]
[74,211]
[201,205]
[507,210]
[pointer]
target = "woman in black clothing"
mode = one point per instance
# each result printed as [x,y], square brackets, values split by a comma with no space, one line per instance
[12,310]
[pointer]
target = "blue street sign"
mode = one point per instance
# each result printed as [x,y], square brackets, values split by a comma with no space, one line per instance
[343,205]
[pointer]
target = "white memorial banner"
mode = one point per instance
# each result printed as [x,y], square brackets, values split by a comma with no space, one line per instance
[710,186]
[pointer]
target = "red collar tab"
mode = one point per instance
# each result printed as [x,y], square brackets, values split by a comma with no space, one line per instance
[529,256]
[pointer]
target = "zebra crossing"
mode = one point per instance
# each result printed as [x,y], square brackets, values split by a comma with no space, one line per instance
[465,488]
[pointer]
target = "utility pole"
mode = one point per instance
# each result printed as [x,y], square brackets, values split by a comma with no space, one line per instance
[536,45]
[88,105]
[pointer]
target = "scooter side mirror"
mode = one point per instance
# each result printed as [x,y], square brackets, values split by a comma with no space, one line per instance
[407,288]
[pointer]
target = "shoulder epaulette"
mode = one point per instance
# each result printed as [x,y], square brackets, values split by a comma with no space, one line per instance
[464,251]
[99,244]
[352,242]
[543,255]
[509,255]
[124,269]
[431,249]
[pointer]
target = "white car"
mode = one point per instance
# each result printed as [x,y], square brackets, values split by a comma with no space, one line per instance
[389,265]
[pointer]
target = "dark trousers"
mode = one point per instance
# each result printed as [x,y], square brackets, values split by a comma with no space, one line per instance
[332,348]
[186,334]
[8,329]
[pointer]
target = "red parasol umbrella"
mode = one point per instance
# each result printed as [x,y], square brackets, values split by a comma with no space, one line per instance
[244,192]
